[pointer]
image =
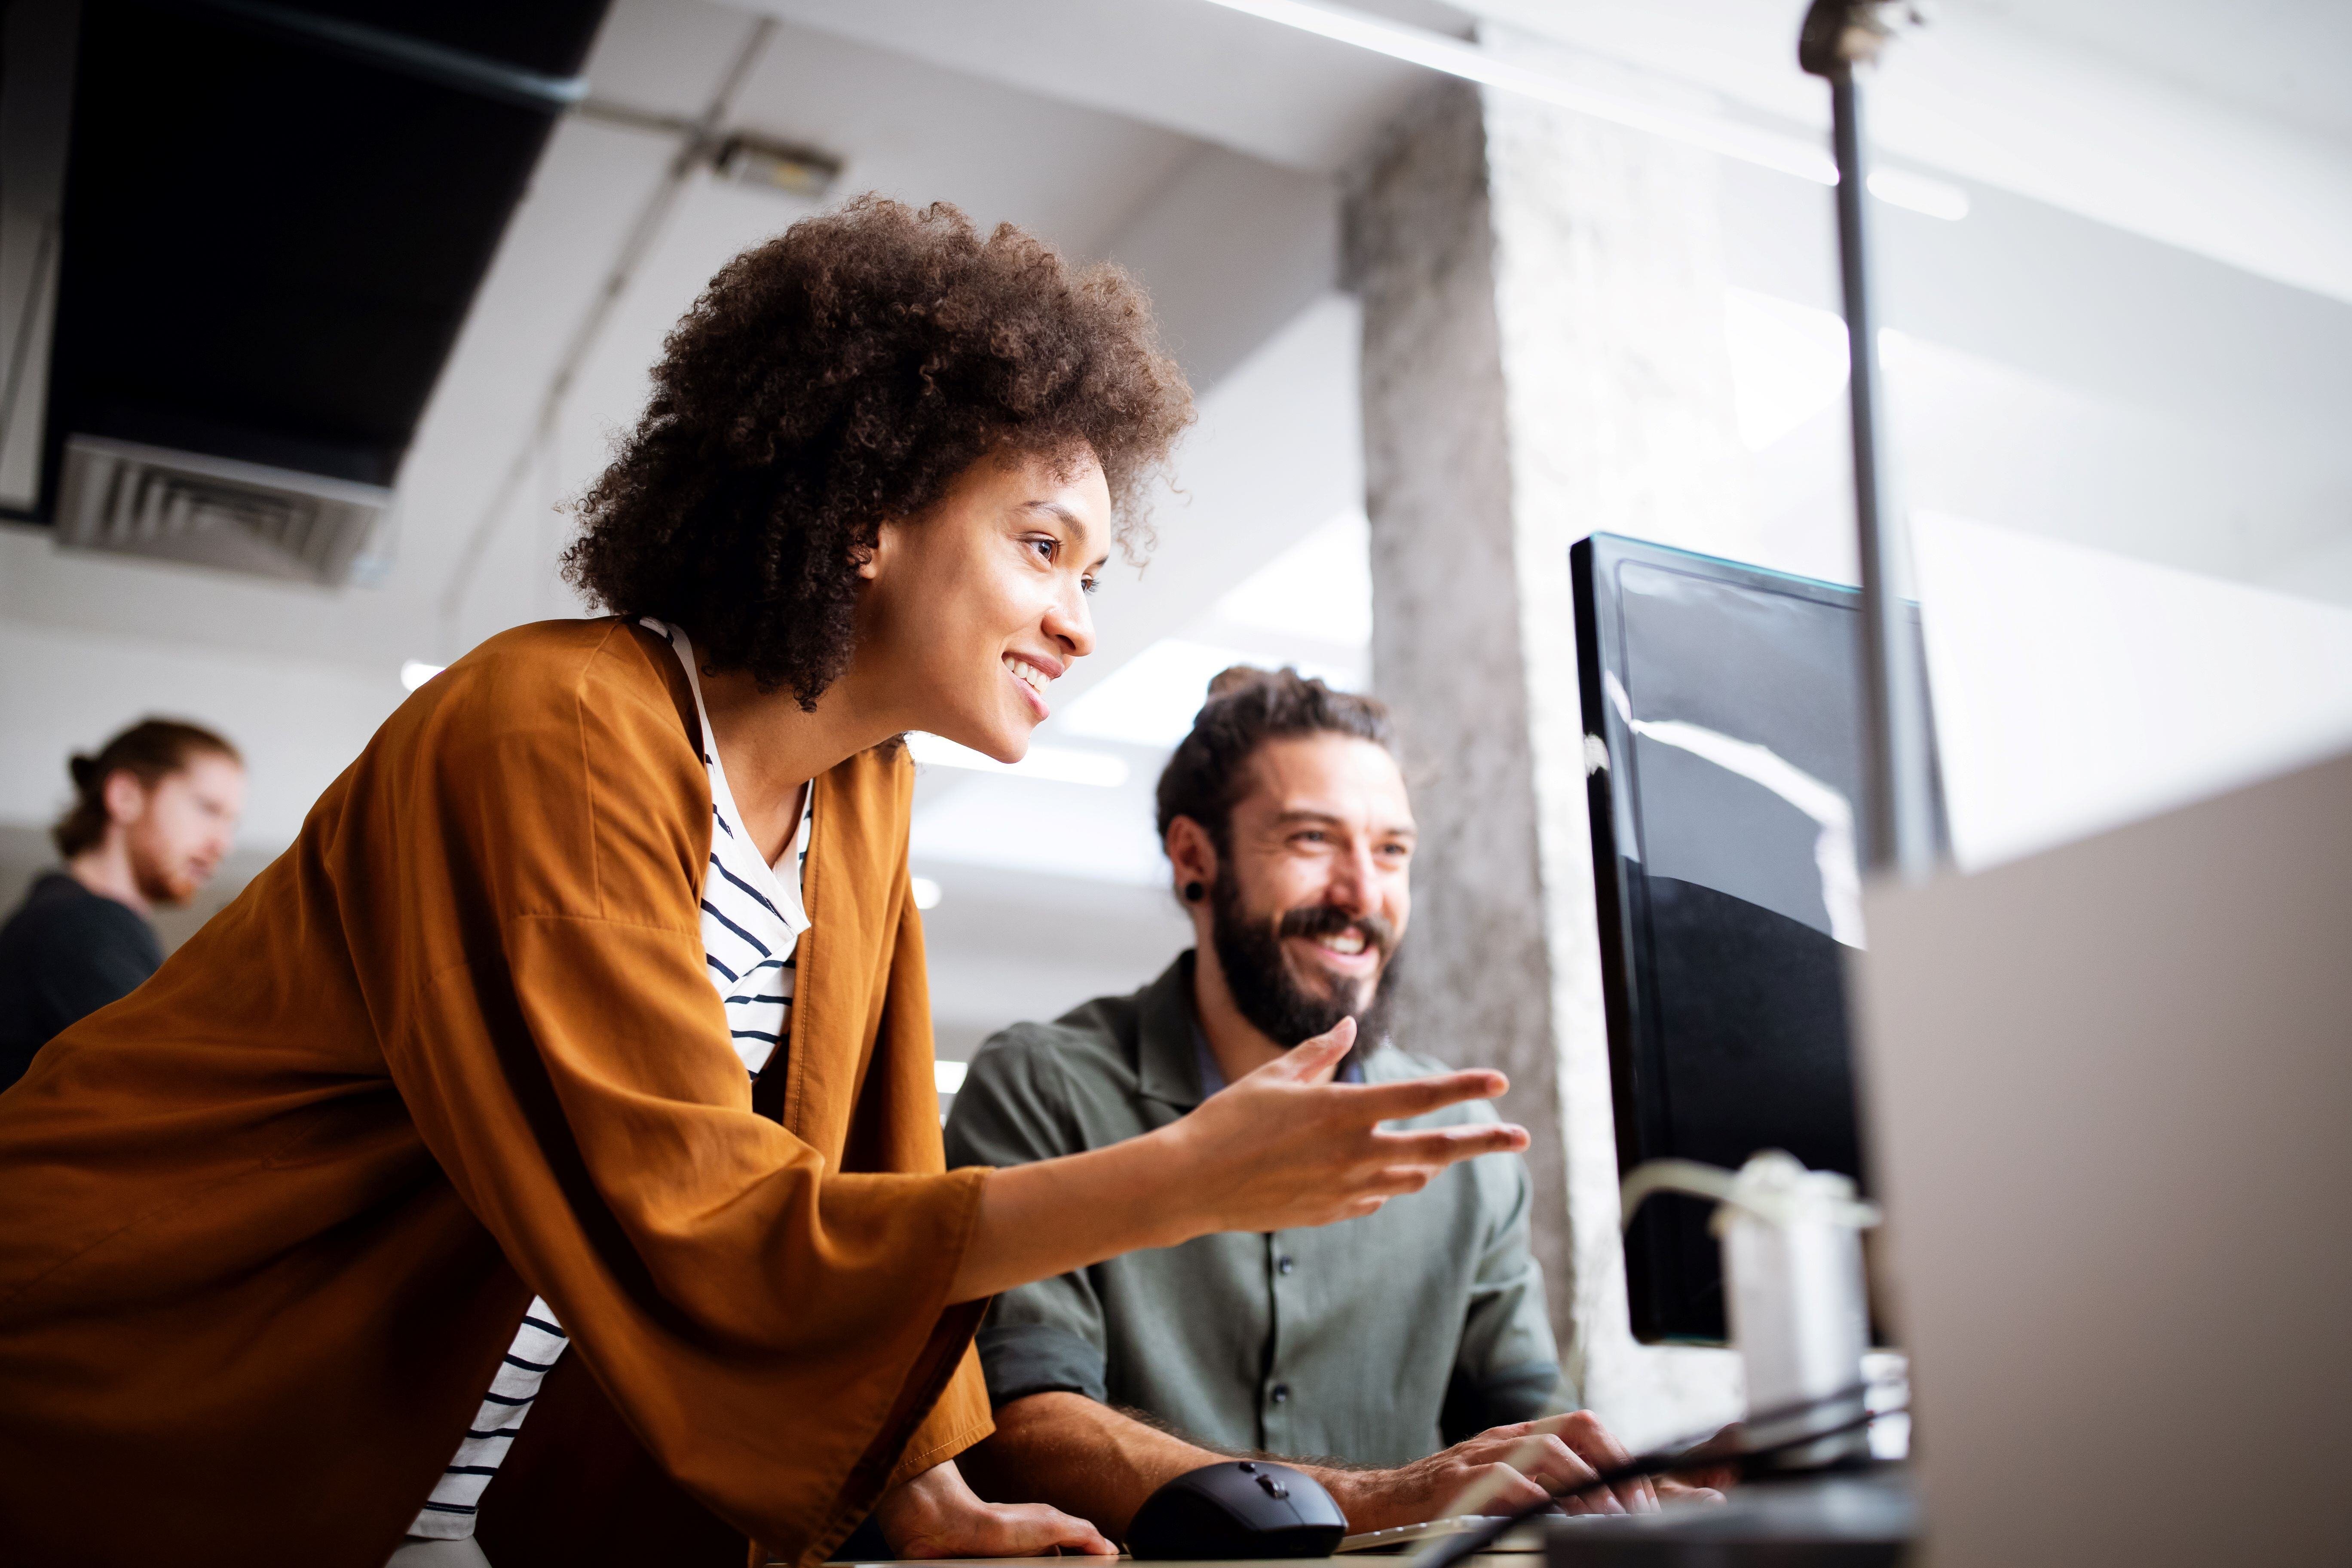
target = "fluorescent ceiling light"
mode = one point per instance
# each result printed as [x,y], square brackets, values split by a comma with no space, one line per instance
[1788,363]
[1436,51]
[415,672]
[1056,764]
[926,891]
[948,1075]
[1152,699]
[1321,587]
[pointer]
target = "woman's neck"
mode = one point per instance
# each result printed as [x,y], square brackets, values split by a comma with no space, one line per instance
[772,747]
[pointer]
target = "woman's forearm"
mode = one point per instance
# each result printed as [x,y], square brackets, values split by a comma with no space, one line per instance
[1048,1218]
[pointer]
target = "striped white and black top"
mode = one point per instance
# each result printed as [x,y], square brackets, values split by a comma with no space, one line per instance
[752,918]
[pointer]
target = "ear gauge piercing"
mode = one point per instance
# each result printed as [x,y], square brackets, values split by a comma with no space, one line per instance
[1192,892]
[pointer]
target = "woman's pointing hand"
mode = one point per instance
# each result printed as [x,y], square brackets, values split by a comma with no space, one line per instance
[1281,1147]
[1285,1147]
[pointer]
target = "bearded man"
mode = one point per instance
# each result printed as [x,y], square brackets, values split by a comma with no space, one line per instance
[153,813]
[1372,1343]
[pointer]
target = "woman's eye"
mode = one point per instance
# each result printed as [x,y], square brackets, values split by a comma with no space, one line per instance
[1045,546]
[1089,585]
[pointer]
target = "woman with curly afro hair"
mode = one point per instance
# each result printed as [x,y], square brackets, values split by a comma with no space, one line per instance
[575,1063]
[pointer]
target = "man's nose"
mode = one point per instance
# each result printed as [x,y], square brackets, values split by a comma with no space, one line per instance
[1351,881]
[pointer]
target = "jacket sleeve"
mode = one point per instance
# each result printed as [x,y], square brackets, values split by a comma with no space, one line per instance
[1048,1335]
[961,1418]
[762,1322]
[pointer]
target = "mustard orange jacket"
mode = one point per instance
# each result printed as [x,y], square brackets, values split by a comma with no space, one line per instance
[266,1223]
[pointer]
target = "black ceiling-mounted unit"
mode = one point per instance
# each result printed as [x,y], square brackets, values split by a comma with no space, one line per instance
[276,218]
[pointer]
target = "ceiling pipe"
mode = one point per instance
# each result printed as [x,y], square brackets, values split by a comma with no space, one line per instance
[698,136]
[470,73]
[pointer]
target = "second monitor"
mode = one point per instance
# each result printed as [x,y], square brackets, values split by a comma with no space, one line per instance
[1724,759]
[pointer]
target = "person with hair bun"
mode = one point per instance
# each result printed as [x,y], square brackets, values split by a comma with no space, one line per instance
[153,812]
[541,1161]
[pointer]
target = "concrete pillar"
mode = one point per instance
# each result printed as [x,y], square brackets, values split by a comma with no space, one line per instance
[1544,357]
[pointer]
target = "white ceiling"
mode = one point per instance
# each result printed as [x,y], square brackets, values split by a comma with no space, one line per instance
[1197,146]
[2212,125]
[1292,99]
[1240,253]
[1234,247]
[2289,60]
[1188,141]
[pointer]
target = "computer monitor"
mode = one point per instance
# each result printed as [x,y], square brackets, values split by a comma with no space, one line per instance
[1723,752]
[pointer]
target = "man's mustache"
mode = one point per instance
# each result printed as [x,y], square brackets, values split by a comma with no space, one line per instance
[1329,920]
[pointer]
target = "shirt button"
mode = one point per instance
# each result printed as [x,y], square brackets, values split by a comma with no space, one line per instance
[1282,1265]
[1281,1394]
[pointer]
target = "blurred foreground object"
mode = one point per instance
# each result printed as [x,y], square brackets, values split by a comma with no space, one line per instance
[2108,1088]
[1840,1520]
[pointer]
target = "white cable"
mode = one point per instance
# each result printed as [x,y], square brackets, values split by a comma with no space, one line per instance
[1773,1186]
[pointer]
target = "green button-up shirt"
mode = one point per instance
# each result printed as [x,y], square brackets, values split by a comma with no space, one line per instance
[1377,1340]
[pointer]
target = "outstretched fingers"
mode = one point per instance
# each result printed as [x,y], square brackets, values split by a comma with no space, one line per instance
[1315,1060]
[1438,1147]
[1420,1096]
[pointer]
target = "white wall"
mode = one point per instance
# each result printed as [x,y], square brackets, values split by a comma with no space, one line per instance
[301,723]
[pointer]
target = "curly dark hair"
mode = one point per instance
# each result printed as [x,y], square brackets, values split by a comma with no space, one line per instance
[843,374]
[1208,773]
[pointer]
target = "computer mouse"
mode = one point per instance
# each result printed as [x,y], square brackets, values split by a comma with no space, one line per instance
[1240,1509]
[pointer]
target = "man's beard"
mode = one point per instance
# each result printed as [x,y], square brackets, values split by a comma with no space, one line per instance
[1249,950]
[165,887]
[165,883]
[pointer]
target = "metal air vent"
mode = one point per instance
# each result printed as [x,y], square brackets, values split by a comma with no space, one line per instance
[136,499]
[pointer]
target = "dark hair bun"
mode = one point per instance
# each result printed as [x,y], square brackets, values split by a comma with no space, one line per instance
[1247,707]
[1240,677]
[84,771]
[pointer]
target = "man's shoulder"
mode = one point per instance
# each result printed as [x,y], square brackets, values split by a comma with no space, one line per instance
[58,913]
[1037,1089]
[1092,1044]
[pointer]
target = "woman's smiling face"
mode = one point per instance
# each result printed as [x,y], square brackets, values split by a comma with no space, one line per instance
[973,607]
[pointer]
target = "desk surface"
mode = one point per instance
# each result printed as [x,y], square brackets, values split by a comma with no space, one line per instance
[1485,1560]
[1851,1511]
